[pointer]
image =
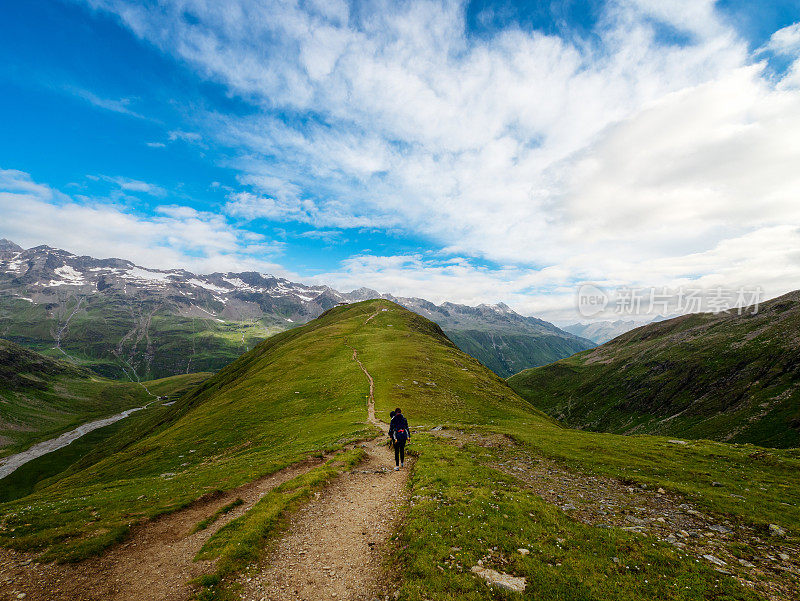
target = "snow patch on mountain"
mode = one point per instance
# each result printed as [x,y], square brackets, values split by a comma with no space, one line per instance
[141,274]
[208,286]
[15,266]
[240,285]
[69,274]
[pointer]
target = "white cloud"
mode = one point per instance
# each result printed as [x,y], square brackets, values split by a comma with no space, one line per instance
[131,185]
[186,136]
[121,105]
[632,156]
[176,236]
[785,41]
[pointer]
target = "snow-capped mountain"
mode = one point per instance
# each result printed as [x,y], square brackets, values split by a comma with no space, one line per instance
[119,317]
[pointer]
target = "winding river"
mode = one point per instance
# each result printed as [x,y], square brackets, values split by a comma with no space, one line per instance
[12,462]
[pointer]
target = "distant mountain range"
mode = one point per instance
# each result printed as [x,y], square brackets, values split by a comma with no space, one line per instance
[726,376]
[124,320]
[602,331]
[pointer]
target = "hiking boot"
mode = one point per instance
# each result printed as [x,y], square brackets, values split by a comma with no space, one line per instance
[402,464]
[396,467]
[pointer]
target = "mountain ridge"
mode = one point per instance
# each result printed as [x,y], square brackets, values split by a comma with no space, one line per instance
[255,414]
[124,320]
[732,376]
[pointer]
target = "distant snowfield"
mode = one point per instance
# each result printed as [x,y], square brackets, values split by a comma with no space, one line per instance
[208,286]
[240,285]
[69,277]
[138,273]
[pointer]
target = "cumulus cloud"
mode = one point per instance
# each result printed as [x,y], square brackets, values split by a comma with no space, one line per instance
[785,41]
[175,236]
[652,151]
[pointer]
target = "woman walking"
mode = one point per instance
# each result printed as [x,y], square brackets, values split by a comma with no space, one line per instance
[399,432]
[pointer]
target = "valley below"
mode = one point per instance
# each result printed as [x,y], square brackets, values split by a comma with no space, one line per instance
[13,462]
[273,479]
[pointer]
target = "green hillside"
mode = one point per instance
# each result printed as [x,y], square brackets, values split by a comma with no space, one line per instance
[41,397]
[97,444]
[301,393]
[505,353]
[296,393]
[723,377]
[121,338]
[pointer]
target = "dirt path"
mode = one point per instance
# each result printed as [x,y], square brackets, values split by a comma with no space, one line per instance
[333,548]
[371,398]
[156,563]
[335,545]
[373,315]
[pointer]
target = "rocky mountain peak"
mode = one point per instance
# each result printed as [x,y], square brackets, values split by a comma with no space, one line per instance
[8,245]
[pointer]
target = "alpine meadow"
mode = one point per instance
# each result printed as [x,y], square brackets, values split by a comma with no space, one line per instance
[432,300]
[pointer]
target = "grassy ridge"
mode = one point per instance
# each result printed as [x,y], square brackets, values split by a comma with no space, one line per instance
[300,392]
[724,377]
[416,367]
[296,393]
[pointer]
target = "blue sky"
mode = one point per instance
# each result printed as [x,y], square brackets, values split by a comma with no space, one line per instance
[478,152]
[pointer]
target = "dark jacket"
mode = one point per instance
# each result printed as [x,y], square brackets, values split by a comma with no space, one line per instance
[398,427]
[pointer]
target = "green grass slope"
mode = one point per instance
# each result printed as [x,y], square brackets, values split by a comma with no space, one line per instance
[723,377]
[95,445]
[296,393]
[300,392]
[506,353]
[41,397]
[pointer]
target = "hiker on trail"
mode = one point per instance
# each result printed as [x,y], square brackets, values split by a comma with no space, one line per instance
[398,430]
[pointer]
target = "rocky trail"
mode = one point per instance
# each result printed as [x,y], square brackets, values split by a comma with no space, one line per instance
[334,546]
